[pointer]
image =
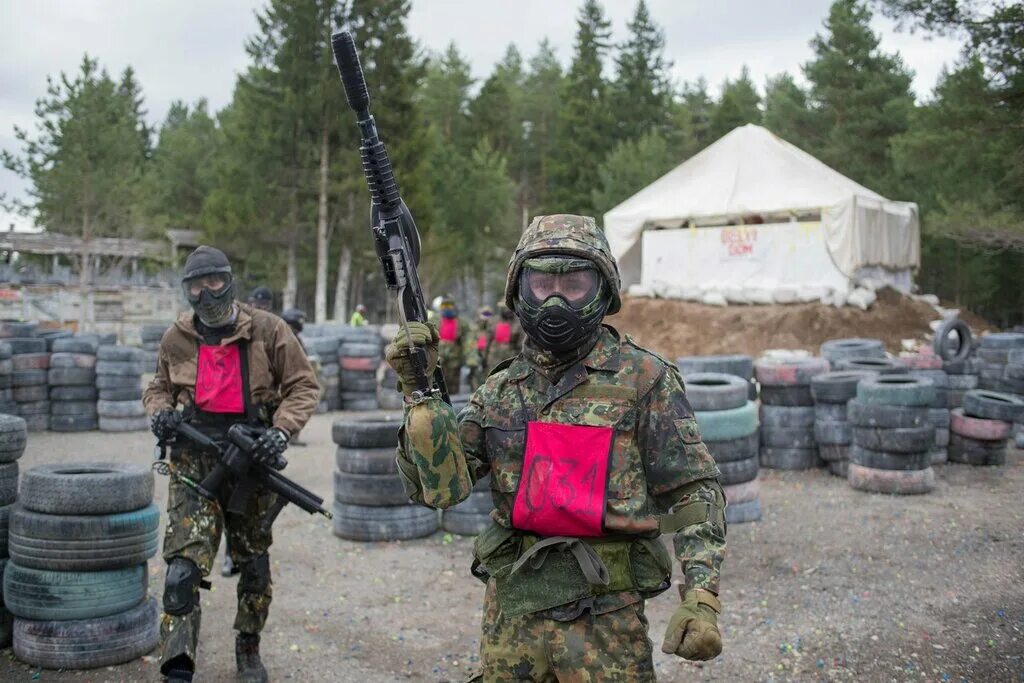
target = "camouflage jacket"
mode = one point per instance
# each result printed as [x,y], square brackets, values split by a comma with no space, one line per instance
[657,462]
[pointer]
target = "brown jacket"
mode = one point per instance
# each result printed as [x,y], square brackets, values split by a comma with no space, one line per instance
[279,372]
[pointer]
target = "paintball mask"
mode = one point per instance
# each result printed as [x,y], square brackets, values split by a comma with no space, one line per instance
[208,286]
[561,301]
[448,308]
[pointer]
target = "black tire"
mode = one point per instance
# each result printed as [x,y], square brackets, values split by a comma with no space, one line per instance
[732,450]
[741,513]
[32,394]
[30,409]
[369,489]
[361,405]
[786,416]
[956,367]
[31,361]
[76,345]
[992,405]
[5,527]
[15,328]
[993,356]
[949,347]
[362,384]
[89,643]
[737,472]
[118,381]
[73,393]
[896,390]
[13,437]
[788,437]
[789,458]
[73,408]
[28,378]
[939,417]
[362,523]
[715,391]
[963,382]
[322,346]
[37,423]
[87,488]
[837,349]
[833,433]
[129,394]
[366,460]
[124,424]
[882,366]
[992,340]
[830,412]
[735,364]
[42,595]
[907,440]
[886,460]
[83,542]
[479,502]
[120,408]
[968,451]
[838,468]
[359,350]
[464,523]
[795,395]
[831,453]
[370,432]
[150,334]
[939,455]
[106,367]
[837,387]
[869,415]
[941,437]
[119,354]
[329,371]
[20,345]
[5,350]
[74,423]
[72,377]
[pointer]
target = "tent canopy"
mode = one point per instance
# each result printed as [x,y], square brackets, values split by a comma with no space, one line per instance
[751,171]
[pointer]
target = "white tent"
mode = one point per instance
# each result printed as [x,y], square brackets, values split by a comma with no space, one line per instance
[755,217]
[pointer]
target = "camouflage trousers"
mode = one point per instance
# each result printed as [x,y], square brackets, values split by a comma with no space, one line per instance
[602,648]
[452,369]
[194,526]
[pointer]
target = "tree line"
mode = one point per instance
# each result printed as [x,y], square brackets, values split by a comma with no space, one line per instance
[274,177]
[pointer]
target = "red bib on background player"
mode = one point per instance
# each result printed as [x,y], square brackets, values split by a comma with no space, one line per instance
[219,384]
[562,486]
[481,342]
[448,331]
[503,333]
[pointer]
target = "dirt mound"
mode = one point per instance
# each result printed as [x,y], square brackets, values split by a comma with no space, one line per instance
[681,328]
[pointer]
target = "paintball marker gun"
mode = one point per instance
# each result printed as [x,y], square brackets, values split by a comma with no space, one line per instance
[395,237]
[235,461]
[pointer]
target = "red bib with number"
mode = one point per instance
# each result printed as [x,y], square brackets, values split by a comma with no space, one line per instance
[562,487]
[481,342]
[219,379]
[448,330]
[502,333]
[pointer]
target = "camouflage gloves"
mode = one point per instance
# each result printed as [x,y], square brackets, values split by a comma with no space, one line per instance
[692,631]
[397,353]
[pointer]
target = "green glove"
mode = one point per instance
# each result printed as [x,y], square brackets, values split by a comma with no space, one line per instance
[397,353]
[692,631]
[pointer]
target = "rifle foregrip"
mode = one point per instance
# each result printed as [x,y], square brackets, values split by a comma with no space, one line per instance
[351,71]
[379,174]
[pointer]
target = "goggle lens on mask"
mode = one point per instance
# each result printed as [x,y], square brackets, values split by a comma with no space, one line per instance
[577,287]
[215,283]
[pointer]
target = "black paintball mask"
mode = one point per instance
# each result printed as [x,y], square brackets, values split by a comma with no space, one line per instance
[209,287]
[295,318]
[561,301]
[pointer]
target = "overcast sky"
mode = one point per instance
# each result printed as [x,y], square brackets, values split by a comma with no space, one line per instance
[187,49]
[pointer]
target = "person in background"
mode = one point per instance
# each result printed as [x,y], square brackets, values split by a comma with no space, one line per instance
[261,298]
[452,349]
[480,339]
[506,340]
[358,318]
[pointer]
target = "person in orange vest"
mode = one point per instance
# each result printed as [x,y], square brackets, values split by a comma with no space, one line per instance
[506,338]
[451,347]
[480,342]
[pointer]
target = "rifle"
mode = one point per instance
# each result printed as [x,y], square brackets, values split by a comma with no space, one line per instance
[235,460]
[395,237]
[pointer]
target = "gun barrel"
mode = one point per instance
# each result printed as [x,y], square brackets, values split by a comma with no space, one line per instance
[351,71]
[294,493]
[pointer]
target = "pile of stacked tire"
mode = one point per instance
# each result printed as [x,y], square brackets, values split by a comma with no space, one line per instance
[326,351]
[151,336]
[833,432]
[76,582]
[1015,371]
[952,343]
[993,362]
[370,503]
[119,372]
[388,395]
[31,364]
[787,411]
[893,435]
[938,413]
[359,356]
[13,438]
[7,404]
[72,380]
[727,419]
[737,365]
[837,350]
[472,515]
[982,427]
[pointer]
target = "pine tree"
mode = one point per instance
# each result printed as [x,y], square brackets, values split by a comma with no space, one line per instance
[861,95]
[693,113]
[630,167]
[541,103]
[496,112]
[445,95]
[584,125]
[738,105]
[787,114]
[640,96]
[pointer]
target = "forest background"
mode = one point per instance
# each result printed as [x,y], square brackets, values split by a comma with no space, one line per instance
[274,177]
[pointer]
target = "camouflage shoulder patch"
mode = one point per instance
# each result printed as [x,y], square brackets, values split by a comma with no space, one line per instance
[503,365]
[651,366]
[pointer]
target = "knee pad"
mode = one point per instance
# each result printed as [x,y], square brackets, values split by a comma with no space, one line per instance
[255,577]
[181,587]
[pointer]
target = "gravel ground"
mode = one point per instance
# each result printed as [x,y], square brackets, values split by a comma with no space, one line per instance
[832,584]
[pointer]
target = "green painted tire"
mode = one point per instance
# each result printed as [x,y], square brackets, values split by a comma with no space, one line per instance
[724,425]
[43,595]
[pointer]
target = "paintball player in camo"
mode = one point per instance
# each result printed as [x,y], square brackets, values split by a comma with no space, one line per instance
[593,453]
[225,363]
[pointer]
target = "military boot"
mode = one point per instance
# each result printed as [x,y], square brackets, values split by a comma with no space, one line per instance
[247,658]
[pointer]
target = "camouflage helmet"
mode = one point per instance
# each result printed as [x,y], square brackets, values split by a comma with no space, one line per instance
[566,235]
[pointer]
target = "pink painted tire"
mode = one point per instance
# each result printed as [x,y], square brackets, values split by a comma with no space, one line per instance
[901,482]
[358,363]
[922,362]
[776,372]
[31,361]
[743,493]
[978,428]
